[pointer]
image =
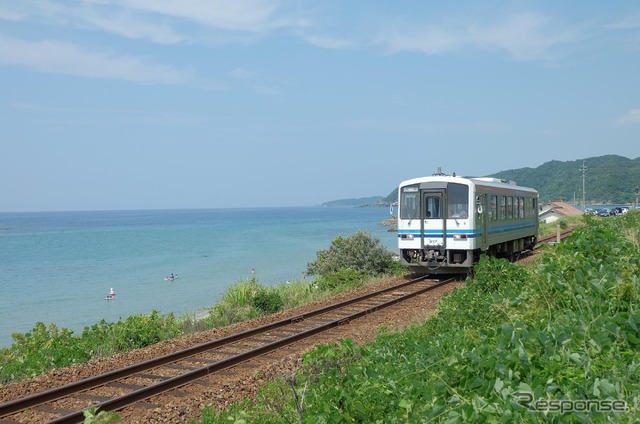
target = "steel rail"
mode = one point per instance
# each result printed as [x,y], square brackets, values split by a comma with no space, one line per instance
[35,399]
[553,237]
[180,380]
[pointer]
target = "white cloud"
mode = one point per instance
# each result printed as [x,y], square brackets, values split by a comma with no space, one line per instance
[131,27]
[630,118]
[91,15]
[161,21]
[243,15]
[69,59]
[523,36]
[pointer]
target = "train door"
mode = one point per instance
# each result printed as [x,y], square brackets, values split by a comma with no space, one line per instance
[433,222]
[482,208]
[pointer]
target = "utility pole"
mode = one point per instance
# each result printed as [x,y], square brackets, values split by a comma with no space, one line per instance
[583,169]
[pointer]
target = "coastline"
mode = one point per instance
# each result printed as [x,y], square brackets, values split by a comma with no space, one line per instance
[61,265]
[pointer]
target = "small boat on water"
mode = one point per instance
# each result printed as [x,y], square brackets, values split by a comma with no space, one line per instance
[170,277]
[111,294]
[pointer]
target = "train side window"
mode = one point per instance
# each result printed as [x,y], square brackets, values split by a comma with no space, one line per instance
[458,201]
[503,207]
[521,207]
[510,207]
[494,208]
[533,212]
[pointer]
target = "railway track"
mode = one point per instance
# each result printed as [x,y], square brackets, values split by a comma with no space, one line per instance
[139,383]
[554,237]
[548,239]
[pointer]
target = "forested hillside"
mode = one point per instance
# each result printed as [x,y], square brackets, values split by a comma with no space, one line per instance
[608,179]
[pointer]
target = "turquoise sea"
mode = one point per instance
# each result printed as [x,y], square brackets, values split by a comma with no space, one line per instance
[58,267]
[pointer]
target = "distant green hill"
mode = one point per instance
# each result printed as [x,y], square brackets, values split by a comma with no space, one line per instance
[363,201]
[609,179]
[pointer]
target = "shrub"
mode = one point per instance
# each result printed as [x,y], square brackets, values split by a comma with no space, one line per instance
[345,278]
[360,252]
[246,300]
[242,293]
[297,293]
[268,301]
[227,313]
[143,330]
[39,350]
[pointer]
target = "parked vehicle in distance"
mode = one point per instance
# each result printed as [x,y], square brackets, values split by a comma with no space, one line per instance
[619,211]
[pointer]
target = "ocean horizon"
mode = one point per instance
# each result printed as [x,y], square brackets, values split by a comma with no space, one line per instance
[58,267]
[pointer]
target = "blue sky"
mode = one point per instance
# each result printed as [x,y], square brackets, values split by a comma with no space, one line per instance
[154,104]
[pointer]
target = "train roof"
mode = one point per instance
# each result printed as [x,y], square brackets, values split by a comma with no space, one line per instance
[482,181]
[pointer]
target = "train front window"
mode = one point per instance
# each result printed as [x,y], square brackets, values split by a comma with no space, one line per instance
[409,202]
[458,201]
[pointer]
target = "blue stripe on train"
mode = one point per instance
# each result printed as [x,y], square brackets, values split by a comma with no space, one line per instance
[438,233]
[470,233]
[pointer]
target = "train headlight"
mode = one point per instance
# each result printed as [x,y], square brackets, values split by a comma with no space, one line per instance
[459,236]
[406,236]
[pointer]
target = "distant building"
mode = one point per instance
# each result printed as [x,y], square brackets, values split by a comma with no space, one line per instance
[555,210]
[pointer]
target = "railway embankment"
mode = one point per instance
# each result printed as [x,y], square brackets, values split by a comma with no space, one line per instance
[555,340]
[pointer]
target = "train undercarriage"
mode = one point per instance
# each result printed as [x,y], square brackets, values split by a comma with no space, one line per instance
[438,260]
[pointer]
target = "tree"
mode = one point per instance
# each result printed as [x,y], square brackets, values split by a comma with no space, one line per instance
[360,252]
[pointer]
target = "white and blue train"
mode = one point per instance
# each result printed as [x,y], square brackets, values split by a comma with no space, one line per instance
[446,222]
